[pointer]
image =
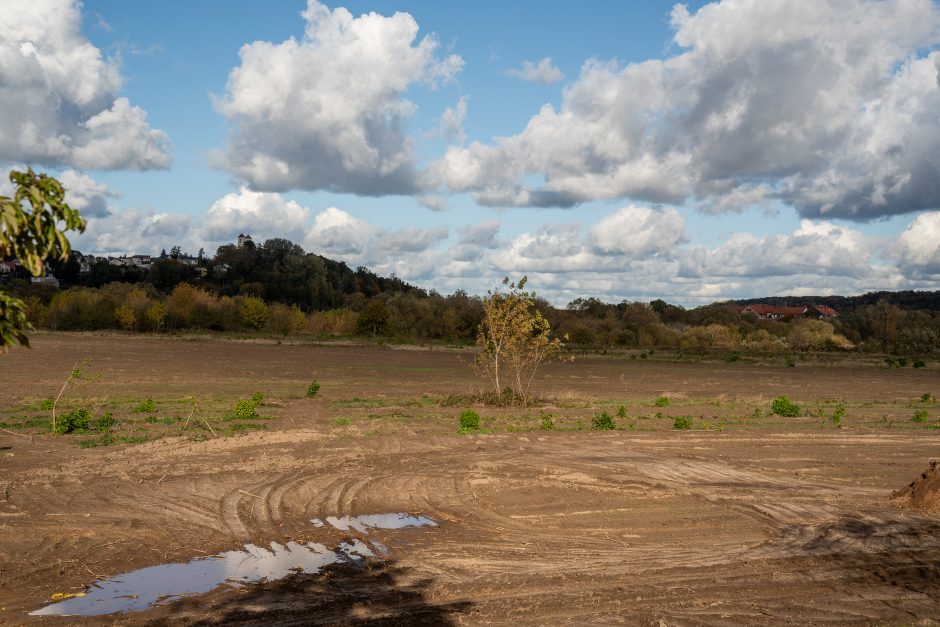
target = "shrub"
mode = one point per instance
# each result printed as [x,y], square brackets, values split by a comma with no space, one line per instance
[103,423]
[146,407]
[257,398]
[662,401]
[313,389]
[927,397]
[469,421]
[920,416]
[621,412]
[548,422]
[757,413]
[919,363]
[245,410]
[783,406]
[682,423]
[47,403]
[76,421]
[790,363]
[838,414]
[603,422]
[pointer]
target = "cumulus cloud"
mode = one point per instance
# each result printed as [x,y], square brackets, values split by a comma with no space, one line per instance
[815,248]
[542,72]
[132,231]
[410,253]
[261,214]
[58,96]
[639,231]
[85,195]
[917,249]
[828,106]
[326,111]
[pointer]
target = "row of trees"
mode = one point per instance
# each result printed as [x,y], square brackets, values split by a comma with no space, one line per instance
[415,315]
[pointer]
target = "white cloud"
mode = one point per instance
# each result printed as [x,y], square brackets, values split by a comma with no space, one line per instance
[821,249]
[917,249]
[639,231]
[85,195]
[262,214]
[336,232]
[827,105]
[131,231]
[327,111]
[542,72]
[452,122]
[58,96]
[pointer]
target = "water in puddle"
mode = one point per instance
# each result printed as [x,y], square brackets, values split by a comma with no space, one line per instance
[141,589]
[363,523]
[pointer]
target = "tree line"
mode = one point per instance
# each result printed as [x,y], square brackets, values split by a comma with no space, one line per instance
[278,288]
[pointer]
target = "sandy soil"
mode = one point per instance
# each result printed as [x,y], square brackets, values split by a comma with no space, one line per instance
[745,526]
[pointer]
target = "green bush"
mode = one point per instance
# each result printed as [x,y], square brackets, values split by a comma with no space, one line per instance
[838,414]
[919,363]
[245,410]
[146,407]
[662,401]
[313,389]
[757,413]
[920,416]
[103,423]
[790,363]
[682,423]
[47,403]
[603,422]
[783,406]
[469,421]
[927,397]
[902,361]
[548,422]
[621,412]
[76,421]
[257,398]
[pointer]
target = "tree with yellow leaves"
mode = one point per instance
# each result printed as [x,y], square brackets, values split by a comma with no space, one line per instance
[514,340]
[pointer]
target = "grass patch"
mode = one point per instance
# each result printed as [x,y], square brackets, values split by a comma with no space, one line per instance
[146,407]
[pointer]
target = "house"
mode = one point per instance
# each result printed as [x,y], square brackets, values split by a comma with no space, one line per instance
[141,261]
[244,240]
[822,312]
[774,312]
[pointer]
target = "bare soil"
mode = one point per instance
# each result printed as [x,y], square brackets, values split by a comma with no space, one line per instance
[766,521]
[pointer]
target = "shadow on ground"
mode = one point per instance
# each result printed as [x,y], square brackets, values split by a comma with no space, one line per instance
[374,593]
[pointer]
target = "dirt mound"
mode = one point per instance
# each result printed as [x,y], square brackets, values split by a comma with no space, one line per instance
[923,493]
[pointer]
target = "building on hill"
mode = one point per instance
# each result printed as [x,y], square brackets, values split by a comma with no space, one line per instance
[244,240]
[775,312]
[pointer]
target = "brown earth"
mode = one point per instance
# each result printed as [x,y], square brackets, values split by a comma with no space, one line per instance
[923,493]
[769,521]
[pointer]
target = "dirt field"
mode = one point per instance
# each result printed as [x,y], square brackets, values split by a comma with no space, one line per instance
[747,518]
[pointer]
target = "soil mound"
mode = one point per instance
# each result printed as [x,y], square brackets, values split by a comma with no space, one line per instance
[923,493]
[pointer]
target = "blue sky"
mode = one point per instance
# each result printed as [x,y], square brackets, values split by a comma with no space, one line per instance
[691,152]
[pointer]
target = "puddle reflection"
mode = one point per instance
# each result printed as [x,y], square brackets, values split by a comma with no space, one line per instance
[141,589]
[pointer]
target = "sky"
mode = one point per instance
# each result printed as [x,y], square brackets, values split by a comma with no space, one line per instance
[693,152]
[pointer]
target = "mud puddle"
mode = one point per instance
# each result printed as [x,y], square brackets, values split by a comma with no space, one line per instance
[154,585]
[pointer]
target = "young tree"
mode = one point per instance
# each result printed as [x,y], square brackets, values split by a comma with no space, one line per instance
[31,234]
[514,338]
